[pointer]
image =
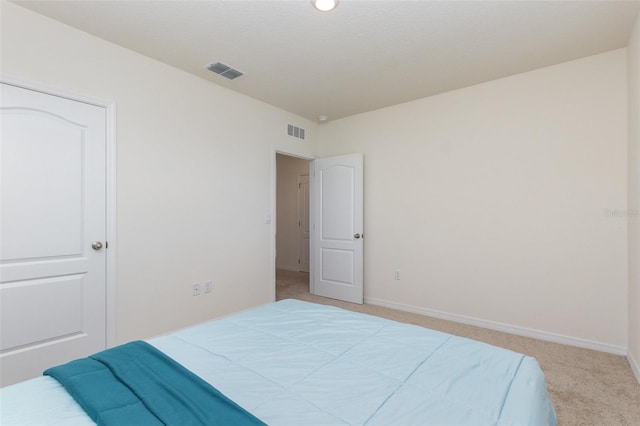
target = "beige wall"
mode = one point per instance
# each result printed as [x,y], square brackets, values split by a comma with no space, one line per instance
[289,168]
[193,168]
[491,200]
[634,199]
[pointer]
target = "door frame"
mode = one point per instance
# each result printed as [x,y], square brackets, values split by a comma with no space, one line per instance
[272,213]
[110,181]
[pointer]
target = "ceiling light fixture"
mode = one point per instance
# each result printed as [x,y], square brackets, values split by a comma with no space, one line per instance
[325,5]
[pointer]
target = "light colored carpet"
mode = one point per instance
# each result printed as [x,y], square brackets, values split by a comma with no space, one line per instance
[587,387]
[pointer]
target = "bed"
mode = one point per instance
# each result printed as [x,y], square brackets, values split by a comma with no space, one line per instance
[299,363]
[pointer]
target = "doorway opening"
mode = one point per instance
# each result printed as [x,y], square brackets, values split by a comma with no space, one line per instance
[292,260]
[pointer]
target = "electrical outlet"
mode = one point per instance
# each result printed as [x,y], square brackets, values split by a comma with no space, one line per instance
[396,274]
[195,288]
[208,286]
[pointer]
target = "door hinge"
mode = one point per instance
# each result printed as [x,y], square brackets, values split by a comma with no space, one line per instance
[298,261]
[298,223]
[299,185]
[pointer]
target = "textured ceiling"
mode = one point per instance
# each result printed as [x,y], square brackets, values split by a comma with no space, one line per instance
[363,55]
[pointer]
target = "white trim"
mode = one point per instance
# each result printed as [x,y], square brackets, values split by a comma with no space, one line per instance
[635,366]
[292,268]
[274,181]
[111,193]
[55,91]
[505,328]
[110,214]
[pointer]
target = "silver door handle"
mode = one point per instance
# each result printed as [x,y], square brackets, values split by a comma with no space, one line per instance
[357,236]
[96,245]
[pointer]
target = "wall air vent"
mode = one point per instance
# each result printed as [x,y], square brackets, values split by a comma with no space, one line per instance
[296,132]
[224,70]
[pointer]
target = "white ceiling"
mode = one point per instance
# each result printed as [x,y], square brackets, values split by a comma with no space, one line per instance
[363,55]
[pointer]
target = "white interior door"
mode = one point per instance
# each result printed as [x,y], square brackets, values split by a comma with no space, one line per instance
[304,250]
[337,227]
[52,185]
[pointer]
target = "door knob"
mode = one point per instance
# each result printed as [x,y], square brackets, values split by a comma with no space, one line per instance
[356,236]
[96,245]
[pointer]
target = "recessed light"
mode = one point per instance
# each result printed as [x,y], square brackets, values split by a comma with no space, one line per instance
[322,118]
[324,5]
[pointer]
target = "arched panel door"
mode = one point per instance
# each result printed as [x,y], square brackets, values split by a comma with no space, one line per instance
[337,227]
[52,235]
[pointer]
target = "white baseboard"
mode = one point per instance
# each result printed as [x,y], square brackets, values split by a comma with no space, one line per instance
[294,268]
[506,328]
[635,366]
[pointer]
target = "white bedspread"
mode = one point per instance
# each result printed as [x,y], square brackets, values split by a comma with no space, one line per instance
[297,363]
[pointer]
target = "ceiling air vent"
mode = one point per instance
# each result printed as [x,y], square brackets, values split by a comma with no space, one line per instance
[224,70]
[296,132]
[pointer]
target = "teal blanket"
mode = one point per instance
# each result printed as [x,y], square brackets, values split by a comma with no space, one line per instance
[136,384]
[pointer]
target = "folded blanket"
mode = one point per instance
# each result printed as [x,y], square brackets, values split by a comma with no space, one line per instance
[136,384]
